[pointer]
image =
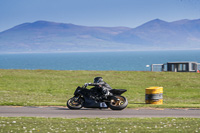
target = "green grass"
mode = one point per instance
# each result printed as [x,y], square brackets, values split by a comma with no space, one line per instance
[50,87]
[98,125]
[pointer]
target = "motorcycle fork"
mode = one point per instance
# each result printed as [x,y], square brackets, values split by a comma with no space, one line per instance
[76,98]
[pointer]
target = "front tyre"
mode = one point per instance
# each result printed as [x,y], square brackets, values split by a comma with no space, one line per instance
[75,103]
[118,103]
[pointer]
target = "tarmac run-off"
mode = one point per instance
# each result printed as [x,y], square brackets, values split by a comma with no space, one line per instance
[64,112]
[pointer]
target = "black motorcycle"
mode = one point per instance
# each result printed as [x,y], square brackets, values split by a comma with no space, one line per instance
[92,98]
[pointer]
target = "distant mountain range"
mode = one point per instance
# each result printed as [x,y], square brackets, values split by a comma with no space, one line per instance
[44,36]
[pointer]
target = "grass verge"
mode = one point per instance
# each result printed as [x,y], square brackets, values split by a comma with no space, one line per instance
[105,125]
[50,87]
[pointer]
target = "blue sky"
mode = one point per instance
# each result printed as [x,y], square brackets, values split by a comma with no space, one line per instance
[109,13]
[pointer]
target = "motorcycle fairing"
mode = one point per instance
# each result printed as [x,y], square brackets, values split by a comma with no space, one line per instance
[117,91]
[90,103]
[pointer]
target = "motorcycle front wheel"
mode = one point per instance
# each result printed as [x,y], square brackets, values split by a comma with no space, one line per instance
[118,103]
[75,103]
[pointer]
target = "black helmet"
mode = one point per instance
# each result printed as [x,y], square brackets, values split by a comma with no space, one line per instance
[98,79]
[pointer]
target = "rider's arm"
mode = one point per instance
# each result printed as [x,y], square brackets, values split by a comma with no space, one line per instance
[93,84]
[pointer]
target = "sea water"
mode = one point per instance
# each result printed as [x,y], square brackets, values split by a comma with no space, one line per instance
[120,61]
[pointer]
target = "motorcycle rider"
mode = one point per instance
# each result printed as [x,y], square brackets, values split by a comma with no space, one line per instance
[99,83]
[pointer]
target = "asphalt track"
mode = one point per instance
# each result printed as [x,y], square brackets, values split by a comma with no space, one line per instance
[64,112]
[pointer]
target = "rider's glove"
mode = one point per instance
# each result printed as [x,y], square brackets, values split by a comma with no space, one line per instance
[86,84]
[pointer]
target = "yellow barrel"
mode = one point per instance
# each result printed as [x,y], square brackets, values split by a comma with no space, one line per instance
[154,95]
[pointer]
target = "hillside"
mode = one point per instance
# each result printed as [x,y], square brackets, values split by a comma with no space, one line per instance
[44,36]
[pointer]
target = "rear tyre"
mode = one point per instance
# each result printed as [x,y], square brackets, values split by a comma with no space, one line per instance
[75,103]
[118,103]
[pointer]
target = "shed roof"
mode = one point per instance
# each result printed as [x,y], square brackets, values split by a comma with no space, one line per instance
[180,62]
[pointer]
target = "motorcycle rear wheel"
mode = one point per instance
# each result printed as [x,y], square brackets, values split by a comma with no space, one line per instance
[118,103]
[74,103]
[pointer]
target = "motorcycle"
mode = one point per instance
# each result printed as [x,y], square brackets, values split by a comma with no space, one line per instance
[91,98]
